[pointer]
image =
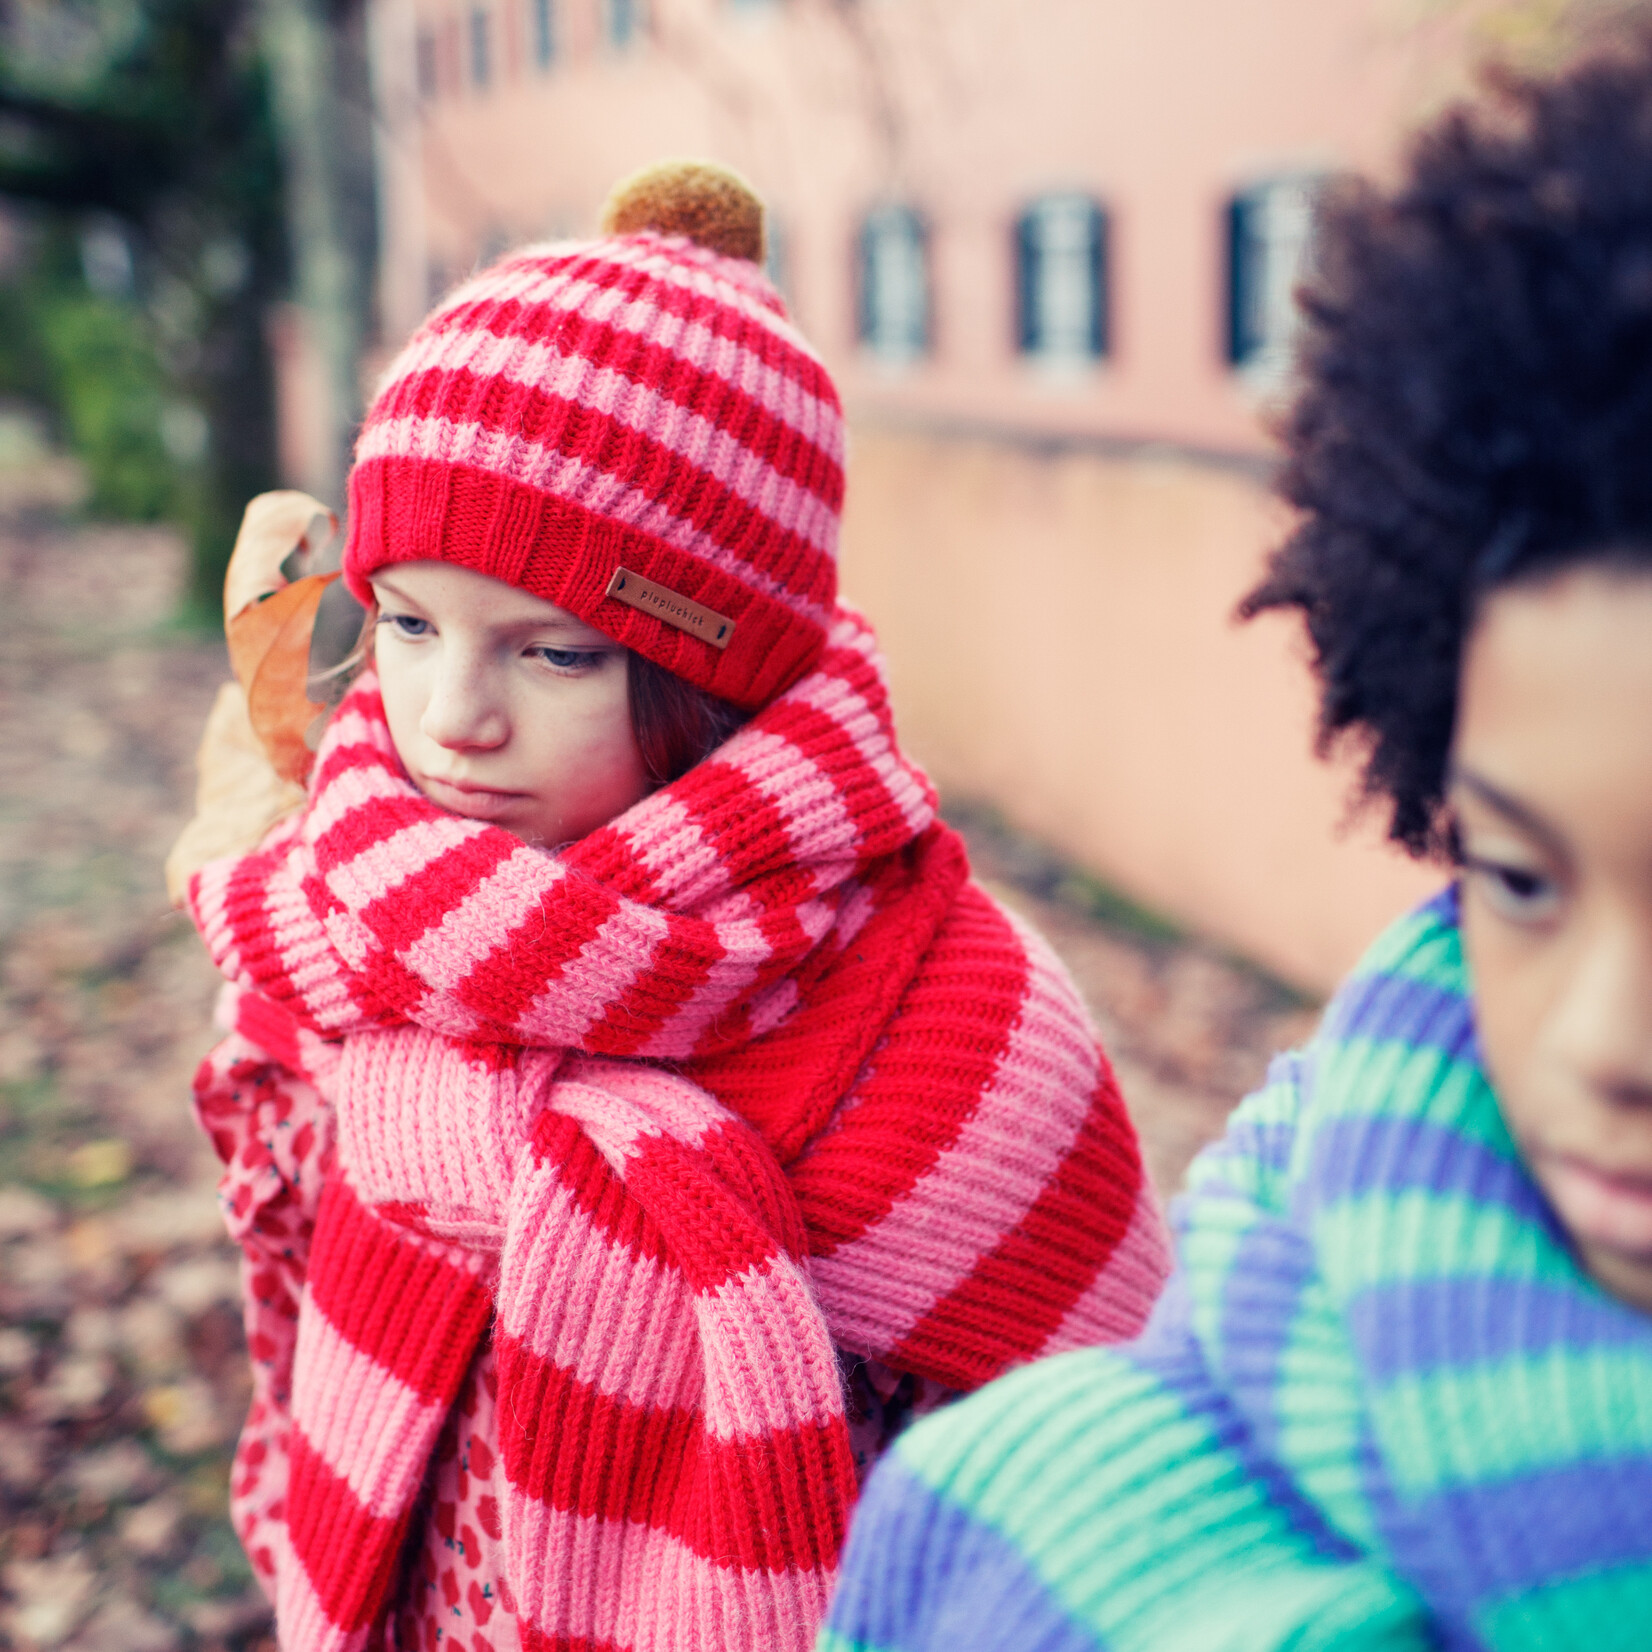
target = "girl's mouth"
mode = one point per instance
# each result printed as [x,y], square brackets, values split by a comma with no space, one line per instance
[474,802]
[1602,1207]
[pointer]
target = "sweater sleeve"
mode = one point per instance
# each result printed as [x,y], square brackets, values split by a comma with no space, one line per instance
[273,1131]
[1139,1497]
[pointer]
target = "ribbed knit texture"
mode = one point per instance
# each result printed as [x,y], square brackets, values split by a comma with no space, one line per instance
[634,401]
[1378,1406]
[904,1082]
[672,1429]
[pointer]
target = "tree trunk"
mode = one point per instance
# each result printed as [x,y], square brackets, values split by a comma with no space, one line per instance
[300,49]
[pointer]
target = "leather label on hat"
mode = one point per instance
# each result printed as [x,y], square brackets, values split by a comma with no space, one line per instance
[663,603]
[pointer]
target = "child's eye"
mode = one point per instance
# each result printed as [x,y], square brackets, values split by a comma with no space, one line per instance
[568,659]
[1515,892]
[405,625]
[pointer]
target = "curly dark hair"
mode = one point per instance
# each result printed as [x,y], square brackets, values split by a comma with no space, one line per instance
[1475,403]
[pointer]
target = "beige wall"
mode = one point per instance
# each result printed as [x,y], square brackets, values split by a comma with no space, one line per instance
[1060,634]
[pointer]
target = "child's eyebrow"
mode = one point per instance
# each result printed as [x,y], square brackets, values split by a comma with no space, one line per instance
[1510,808]
[575,629]
[522,624]
[381,582]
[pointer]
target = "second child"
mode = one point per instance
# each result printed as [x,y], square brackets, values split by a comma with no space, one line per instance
[1398,1393]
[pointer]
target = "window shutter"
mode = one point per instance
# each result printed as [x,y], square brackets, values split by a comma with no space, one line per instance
[1270,236]
[1242,279]
[775,249]
[865,300]
[1028,322]
[1100,293]
[1061,280]
[894,284]
[627,21]
[918,323]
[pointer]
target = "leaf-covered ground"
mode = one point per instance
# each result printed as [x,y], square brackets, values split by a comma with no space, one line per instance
[122,1370]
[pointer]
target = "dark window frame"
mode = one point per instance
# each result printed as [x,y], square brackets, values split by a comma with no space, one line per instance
[1029,254]
[1246,339]
[867,323]
[542,28]
[479,47]
[635,14]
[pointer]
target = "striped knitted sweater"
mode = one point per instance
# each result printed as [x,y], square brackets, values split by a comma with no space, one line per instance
[901,1138]
[1378,1406]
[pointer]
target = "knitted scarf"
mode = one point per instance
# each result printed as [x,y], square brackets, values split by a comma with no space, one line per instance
[1378,1406]
[892,1079]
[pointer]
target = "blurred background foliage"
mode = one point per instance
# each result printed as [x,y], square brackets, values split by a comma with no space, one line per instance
[146,236]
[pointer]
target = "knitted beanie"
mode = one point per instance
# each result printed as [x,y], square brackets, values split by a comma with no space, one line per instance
[630,428]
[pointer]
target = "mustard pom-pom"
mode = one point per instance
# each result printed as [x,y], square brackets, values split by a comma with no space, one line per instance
[712,206]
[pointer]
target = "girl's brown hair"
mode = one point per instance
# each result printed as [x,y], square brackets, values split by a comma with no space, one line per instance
[676,724]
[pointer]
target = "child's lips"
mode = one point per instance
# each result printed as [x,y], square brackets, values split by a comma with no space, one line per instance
[1602,1207]
[474,802]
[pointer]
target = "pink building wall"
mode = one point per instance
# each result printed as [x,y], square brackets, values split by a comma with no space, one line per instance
[1061,638]
[1052,559]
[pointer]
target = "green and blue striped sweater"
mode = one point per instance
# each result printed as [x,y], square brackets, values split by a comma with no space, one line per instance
[1378,1406]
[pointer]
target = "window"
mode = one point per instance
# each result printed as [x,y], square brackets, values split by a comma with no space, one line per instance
[894,285]
[542,29]
[1269,243]
[776,263]
[627,21]
[481,65]
[424,56]
[1061,280]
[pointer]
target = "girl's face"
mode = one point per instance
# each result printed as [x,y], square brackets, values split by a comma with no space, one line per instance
[504,707]
[1551,786]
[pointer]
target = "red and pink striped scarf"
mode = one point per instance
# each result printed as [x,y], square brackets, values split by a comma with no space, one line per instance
[902,1138]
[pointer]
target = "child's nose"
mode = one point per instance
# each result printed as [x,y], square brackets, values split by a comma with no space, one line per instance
[1603,1028]
[464,711]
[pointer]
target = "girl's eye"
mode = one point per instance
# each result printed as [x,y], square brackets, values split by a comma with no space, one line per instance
[568,659]
[405,625]
[1515,892]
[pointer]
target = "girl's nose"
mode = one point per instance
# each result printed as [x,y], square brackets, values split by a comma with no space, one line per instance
[464,711]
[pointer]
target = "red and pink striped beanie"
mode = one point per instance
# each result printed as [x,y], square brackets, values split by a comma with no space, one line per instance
[632,429]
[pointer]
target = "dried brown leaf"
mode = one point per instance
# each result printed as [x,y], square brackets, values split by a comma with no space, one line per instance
[253,755]
[273,526]
[238,794]
[269,621]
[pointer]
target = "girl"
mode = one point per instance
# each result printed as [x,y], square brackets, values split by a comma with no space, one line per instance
[1399,1390]
[632,1111]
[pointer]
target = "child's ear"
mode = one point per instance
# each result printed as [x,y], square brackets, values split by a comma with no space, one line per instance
[714,207]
